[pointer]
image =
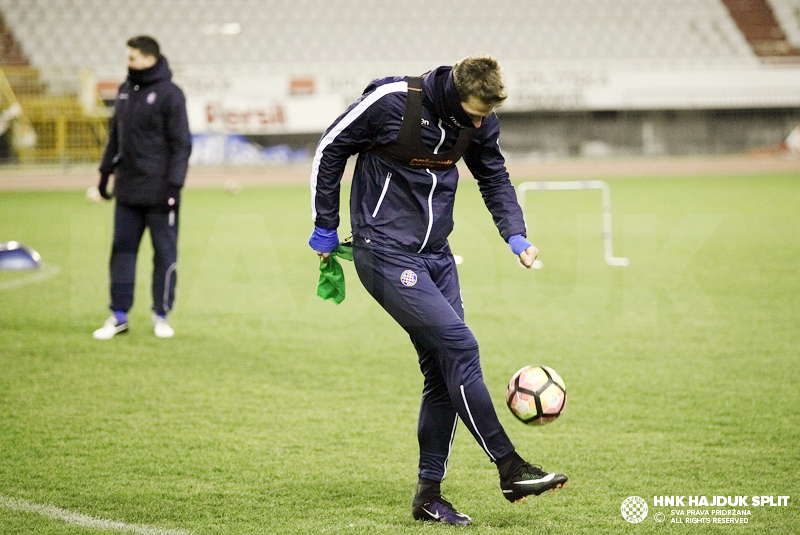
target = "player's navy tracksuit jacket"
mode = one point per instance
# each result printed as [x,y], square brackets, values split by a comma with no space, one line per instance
[401,217]
[148,151]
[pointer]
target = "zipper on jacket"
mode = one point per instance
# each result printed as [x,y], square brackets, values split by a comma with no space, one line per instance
[383,194]
[430,195]
[430,211]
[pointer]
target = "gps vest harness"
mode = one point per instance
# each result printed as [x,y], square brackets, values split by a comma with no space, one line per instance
[408,150]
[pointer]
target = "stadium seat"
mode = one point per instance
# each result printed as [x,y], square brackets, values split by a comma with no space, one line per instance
[697,32]
[787,12]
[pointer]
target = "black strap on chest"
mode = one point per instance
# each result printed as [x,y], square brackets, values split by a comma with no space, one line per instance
[407,149]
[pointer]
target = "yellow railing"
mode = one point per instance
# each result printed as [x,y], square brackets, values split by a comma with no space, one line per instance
[23,134]
[53,128]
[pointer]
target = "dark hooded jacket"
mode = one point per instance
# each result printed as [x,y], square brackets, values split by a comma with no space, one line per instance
[405,208]
[149,142]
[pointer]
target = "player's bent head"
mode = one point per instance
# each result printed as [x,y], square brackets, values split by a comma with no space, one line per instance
[143,52]
[480,76]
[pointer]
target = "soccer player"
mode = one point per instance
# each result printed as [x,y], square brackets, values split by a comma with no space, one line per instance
[409,132]
[148,154]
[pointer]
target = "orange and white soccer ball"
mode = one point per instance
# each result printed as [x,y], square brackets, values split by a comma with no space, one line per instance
[536,395]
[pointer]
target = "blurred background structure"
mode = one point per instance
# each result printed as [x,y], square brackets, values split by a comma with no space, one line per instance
[263,78]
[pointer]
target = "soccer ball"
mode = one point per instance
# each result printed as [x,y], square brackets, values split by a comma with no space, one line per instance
[536,395]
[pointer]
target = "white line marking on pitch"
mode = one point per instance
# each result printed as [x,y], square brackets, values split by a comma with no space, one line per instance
[51,511]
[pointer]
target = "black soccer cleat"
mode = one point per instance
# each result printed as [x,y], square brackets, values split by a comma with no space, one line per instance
[530,479]
[438,510]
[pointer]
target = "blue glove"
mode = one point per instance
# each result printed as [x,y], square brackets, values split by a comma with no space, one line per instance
[519,244]
[323,240]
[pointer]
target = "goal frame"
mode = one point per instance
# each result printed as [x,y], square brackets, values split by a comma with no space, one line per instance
[602,185]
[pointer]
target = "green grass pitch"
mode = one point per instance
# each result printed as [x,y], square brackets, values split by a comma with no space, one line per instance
[274,412]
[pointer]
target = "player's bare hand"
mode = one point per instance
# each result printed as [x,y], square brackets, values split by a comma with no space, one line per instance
[528,256]
[323,256]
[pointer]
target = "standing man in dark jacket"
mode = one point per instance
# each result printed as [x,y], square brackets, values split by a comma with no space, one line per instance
[148,153]
[409,132]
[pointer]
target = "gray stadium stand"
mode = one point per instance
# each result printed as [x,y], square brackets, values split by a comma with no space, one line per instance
[340,33]
[634,63]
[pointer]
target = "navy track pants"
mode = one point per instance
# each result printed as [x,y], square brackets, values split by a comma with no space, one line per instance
[129,225]
[421,292]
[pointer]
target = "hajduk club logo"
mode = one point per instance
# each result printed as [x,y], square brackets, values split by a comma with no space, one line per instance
[634,509]
[408,278]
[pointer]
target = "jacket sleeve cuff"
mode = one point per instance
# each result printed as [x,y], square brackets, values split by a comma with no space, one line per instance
[324,240]
[518,244]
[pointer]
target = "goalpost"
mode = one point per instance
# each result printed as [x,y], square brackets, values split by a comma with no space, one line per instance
[611,260]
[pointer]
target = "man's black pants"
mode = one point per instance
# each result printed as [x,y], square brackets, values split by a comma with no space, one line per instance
[421,292]
[129,225]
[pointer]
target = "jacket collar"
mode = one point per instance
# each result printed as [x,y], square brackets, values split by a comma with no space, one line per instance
[439,90]
[157,73]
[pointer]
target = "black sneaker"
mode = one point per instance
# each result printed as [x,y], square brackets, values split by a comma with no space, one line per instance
[438,510]
[530,479]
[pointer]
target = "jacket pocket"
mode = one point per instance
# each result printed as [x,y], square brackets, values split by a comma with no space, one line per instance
[383,194]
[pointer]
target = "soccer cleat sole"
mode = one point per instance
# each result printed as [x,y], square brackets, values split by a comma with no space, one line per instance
[548,491]
[464,520]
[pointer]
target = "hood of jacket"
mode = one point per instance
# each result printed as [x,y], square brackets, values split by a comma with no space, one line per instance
[439,90]
[159,72]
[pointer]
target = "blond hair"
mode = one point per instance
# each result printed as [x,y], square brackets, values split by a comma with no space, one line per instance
[480,75]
